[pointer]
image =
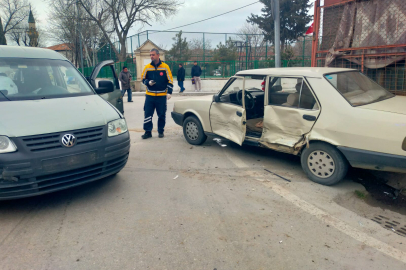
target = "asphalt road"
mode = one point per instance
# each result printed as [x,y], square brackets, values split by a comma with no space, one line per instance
[177,206]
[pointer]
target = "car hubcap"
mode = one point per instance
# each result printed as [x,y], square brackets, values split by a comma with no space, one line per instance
[192,131]
[321,164]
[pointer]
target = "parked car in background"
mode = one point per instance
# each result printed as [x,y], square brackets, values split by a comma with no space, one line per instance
[56,131]
[331,117]
[216,73]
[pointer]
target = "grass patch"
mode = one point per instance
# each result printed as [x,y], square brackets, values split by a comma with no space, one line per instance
[361,195]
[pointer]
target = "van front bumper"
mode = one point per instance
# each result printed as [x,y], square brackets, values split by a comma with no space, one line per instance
[27,173]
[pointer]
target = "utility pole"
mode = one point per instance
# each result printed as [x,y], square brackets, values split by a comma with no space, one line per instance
[80,37]
[277,24]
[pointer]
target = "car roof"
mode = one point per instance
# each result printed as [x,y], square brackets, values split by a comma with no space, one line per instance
[29,52]
[294,71]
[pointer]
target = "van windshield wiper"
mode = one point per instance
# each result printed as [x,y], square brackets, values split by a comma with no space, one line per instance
[4,95]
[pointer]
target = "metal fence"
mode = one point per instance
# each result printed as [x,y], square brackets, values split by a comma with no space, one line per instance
[368,35]
[106,72]
[252,51]
[225,69]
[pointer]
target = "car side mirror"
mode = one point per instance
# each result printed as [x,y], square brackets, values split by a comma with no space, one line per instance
[105,87]
[216,98]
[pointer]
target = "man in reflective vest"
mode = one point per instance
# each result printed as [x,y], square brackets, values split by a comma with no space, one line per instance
[157,77]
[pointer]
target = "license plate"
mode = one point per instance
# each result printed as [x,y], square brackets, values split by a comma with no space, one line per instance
[69,162]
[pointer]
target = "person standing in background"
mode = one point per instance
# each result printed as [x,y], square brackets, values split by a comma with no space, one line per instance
[125,79]
[181,78]
[196,72]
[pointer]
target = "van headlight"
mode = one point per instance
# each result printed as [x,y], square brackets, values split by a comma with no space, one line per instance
[117,127]
[6,145]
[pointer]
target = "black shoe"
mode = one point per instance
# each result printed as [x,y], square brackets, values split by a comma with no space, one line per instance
[146,135]
[130,101]
[161,135]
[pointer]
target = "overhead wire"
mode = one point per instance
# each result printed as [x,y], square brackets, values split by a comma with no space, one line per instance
[207,18]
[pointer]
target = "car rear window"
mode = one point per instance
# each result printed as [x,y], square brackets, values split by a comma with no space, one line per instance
[357,88]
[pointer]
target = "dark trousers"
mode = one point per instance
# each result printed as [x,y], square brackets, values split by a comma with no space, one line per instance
[151,104]
[180,83]
[129,92]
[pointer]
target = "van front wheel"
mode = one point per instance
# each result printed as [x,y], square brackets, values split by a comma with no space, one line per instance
[324,164]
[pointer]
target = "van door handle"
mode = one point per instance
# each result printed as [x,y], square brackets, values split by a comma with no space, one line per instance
[309,117]
[239,114]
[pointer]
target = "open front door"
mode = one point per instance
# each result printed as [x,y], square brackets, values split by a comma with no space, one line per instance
[115,97]
[227,114]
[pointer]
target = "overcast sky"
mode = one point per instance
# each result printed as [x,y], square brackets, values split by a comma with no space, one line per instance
[190,11]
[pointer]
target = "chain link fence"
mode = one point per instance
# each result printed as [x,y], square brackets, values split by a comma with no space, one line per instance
[368,35]
[220,55]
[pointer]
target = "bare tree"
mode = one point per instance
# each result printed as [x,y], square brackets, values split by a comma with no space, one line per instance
[13,13]
[20,35]
[251,33]
[64,20]
[197,46]
[124,14]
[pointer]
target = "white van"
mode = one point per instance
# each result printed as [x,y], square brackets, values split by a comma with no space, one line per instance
[56,131]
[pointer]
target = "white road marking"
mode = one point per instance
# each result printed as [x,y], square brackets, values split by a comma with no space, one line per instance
[336,223]
[322,215]
[234,158]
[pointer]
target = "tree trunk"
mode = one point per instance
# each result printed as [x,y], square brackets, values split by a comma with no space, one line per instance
[3,40]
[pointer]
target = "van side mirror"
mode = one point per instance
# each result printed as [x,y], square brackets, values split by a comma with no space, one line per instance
[216,98]
[105,87]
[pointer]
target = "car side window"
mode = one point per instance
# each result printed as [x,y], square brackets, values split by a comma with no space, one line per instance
[291,92]
[284,91]
[230,94]
[307,99]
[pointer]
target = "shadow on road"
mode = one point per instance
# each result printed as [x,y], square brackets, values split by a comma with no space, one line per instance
[59,198]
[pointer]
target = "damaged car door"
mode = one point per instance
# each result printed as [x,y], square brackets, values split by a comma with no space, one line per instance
[114,97]
[227,112]
[291,112]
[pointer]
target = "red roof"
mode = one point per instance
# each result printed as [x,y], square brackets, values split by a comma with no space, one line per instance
[60,47]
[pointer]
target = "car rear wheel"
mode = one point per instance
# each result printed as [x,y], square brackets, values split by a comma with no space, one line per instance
[193,131]
[324,164]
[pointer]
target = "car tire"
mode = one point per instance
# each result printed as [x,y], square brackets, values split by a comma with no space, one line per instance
[324,164]
[193,131]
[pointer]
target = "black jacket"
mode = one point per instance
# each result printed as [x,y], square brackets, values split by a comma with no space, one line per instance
[181,74]
[162,76]
[196,71]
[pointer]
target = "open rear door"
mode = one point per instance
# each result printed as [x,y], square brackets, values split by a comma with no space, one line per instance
[227,117]
[115,97]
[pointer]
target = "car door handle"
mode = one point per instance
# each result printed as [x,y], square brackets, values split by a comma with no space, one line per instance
[239,114]
[309,117]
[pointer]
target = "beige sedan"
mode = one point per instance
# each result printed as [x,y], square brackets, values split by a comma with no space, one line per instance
[331,117]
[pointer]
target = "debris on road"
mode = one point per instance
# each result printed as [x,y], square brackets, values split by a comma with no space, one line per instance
[175,177]
[280,242]
[219,142]
[278,175]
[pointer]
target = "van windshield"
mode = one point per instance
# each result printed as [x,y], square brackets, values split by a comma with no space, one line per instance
[27,79]
[357,88]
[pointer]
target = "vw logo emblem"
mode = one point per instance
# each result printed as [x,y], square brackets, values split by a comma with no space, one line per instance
[68,140]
